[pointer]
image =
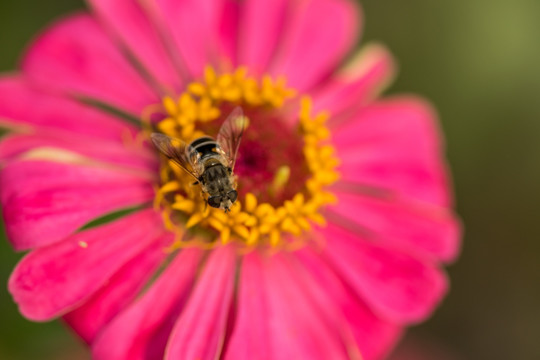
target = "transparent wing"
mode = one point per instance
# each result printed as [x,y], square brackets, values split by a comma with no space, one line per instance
[174,149]
[230,134]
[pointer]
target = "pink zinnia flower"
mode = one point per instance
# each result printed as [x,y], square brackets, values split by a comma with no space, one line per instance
[343,218]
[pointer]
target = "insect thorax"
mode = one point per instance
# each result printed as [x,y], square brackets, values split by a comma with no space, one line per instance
[217,179]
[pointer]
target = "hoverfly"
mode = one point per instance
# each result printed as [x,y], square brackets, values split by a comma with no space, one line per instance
[210,162]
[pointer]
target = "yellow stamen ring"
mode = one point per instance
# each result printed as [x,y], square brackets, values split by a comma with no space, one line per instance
[248,222]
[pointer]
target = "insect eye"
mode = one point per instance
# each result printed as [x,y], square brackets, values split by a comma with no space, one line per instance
[214,201]
[232,195]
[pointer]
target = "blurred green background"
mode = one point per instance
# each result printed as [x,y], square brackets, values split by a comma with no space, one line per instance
[478,61]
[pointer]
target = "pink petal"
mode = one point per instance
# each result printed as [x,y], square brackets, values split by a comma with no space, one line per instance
[300,325]
[120,290]
[194,26]
[374,336]
[130,155]
[360,81]
[397,286]
[141,331]
[317,37]
[228,32]
[75,56]
[43,202]
[23,107]
[283,314]
[417,228]
[251,334]
[51,280]
[261,25]
[394,145]
[199,332]
[128,20]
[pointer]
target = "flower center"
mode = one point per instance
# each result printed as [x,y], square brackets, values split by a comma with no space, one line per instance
[284,164]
